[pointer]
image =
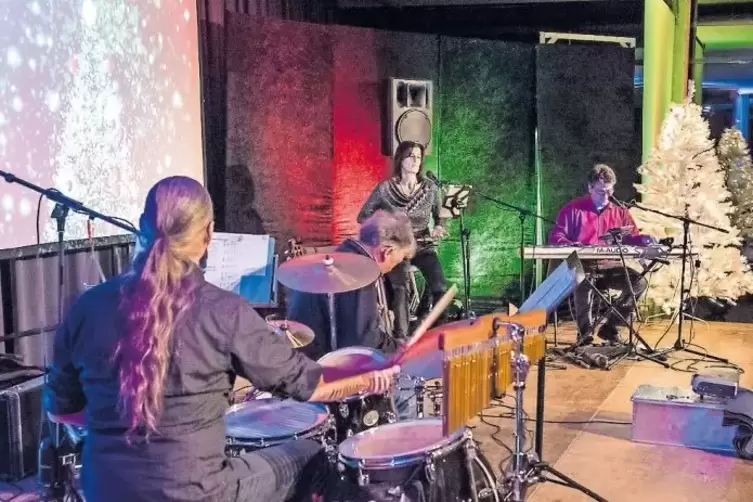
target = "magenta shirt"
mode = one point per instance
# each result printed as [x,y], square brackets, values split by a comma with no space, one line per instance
[579,222]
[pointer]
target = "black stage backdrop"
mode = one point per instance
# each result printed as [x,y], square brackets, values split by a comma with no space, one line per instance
[586,115]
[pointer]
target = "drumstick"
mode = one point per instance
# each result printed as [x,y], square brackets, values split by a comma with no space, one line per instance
[441,305]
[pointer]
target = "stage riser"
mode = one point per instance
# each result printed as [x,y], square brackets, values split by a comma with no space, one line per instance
[678,417]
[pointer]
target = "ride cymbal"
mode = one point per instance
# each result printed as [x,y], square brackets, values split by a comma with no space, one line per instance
[328,273]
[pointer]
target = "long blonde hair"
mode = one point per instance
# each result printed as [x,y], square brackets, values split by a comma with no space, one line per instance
[177,214]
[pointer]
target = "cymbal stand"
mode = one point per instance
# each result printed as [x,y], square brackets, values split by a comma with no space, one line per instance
[54,478]
[527,469]
[332,321]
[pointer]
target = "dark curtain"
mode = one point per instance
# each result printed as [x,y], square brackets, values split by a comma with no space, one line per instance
[213,73]
[34,294]
[2,305]
[213,34]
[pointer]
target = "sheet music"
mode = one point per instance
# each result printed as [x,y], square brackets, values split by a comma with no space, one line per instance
[232,256]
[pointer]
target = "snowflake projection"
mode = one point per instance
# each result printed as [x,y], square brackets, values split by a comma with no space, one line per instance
[98,98]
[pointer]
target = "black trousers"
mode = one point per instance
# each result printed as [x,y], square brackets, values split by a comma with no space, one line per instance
[607,277]
[427,261]
[291,472]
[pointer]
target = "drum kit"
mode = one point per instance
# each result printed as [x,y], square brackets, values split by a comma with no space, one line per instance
[431,458]
[381,458]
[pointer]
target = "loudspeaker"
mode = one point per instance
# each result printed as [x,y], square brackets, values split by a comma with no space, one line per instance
[20,422]
[410,103]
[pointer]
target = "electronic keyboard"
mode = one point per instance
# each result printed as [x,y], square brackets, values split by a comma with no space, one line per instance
[604,252]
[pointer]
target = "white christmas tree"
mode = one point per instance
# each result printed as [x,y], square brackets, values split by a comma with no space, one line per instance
[734,157]
[683,177]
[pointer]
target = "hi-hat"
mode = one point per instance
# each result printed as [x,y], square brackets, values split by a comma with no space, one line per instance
[328,273]
[298,334]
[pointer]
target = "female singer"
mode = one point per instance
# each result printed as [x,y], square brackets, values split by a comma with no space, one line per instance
[409,191]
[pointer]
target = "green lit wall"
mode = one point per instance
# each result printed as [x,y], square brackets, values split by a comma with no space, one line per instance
[485,138]
[492,97]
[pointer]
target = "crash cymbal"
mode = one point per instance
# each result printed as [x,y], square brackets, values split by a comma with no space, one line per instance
[328,273]
[298,334]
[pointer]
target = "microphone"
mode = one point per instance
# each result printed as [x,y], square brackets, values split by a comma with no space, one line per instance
[434,178]
[618,202]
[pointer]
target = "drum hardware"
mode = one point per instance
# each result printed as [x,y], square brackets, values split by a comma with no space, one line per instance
[419,384]
[470,456]
[527,469]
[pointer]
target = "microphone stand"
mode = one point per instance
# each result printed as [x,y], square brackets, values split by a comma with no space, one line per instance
[681,344]
[465,254]
[465,235]
[63,204]
[522,215]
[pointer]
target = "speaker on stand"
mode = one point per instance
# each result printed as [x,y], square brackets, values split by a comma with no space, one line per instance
[410,112]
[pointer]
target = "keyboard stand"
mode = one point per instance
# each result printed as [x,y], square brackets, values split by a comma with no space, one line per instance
[631,347]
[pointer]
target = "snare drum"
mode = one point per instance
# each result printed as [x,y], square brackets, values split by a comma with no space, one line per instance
[361,412]
[413,460]
[254,425]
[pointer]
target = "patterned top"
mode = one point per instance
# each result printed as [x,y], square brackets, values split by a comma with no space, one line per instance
[420,207]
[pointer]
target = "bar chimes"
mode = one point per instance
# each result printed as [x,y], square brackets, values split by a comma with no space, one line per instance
[476,360]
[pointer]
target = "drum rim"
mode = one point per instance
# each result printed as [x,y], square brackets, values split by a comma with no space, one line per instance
[348,457]
[355,350]
[322,421]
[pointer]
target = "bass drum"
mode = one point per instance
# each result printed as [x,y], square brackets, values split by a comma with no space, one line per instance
[413,462]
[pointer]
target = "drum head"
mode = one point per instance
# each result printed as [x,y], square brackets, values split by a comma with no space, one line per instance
[357,357]
[270,420]
[397,444]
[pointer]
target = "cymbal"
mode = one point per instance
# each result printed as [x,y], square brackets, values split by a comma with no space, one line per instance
[298,334]
[328,273]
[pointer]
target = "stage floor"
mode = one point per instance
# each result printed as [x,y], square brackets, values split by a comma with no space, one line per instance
[599,455]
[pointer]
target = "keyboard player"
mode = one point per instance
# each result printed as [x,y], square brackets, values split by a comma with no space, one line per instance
[585,221]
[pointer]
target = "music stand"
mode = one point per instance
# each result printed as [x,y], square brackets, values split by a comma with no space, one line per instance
[559,285]
[453,206]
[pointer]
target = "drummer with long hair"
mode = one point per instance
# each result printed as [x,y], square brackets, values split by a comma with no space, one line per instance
[145,362]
